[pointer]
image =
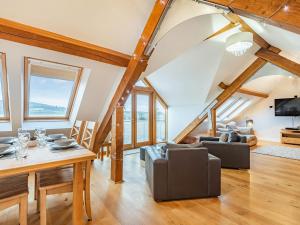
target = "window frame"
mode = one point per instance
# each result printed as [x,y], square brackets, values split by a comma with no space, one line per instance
[165,106]
[4,90]
[27,89]
[154,96]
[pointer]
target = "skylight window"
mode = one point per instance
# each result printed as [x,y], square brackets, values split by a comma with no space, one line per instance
[4,108]
[239,110]
[50,89]
[231,109]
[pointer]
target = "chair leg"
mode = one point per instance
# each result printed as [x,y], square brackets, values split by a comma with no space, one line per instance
[87,193]
[108,151]
[43,209]
[23,210]
[38,202]
[102,153]
[35,187]
[36,190]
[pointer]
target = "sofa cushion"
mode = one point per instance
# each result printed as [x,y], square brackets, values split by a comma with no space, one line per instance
[189,140]
[243,139]
[245,130]
[224,137]
[196,145]
[234,137]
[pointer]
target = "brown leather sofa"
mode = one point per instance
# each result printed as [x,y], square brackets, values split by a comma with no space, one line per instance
[234,155]
[182,173]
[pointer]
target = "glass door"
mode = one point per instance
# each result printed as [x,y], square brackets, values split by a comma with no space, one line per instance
[143,119]
[128,123]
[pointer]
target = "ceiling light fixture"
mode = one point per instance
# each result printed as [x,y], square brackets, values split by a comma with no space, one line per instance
[239,43]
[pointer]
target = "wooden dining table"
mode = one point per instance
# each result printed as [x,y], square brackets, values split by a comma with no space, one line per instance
[44,158]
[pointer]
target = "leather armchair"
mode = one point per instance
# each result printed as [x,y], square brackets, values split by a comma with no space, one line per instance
[182,173]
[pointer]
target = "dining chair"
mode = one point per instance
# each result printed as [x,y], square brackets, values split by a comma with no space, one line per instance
[106,144]
[13,191]
[59,181]
[89,134]
[77,130]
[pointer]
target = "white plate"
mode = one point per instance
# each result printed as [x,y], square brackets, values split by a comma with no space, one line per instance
[58,147]
[55,137]
[7,140]
[4,148]
[64,142]
[8,151]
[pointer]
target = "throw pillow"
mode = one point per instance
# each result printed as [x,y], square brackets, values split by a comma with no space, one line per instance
[233,137]
[189,140]
[224,137]
[243,139]
[221,125]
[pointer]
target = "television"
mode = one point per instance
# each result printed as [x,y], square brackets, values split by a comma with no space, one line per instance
[287,107]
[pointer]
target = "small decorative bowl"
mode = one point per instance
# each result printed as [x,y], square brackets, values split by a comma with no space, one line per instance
[32,144]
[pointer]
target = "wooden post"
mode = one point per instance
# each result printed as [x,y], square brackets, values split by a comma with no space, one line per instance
[214,121]
[117,145]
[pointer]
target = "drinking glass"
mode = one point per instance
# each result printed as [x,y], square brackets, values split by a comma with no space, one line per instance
[21,132]
[22,144]
[40,134]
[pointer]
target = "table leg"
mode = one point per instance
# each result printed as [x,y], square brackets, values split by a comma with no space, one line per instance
[78,194]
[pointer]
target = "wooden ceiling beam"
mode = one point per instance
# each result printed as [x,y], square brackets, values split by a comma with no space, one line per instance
[246,91]
[17,32]
[281,13]
[239,81]
[135,68]
[279,61]
[233,18]
[222,30]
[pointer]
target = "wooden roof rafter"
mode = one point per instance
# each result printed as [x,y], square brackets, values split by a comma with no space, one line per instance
[279,61]
[280,13]
[17,32]
[246,91]
[136,67]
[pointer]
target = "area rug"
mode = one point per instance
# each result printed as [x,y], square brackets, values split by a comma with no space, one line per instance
[279,151]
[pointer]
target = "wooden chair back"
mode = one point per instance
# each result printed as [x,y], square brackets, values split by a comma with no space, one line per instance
[89,134]
[14,191]
[77,130]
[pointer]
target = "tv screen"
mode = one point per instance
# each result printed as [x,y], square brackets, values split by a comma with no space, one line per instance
[287,107]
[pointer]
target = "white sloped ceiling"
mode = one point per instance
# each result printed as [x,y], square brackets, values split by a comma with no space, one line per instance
[111,24]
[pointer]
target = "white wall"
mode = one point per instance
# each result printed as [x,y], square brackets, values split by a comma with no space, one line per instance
[266,125]
[179,117]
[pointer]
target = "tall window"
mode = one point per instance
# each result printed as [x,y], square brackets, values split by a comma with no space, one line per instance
[128,121]
[145,117]
[161,121]
[50,89]
[4,108]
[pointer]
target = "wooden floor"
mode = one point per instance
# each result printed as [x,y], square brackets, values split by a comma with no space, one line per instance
[269,193]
